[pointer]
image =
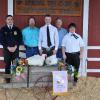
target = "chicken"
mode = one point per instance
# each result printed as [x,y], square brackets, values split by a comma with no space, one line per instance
[52,60]
[36,60]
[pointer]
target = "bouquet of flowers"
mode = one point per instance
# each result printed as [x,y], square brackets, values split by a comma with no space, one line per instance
[70,69]
[18,69]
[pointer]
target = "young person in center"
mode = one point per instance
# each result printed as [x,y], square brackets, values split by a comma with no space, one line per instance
[48,38]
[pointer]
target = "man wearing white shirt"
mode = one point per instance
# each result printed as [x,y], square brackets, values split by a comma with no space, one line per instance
[48,38]
[72,48]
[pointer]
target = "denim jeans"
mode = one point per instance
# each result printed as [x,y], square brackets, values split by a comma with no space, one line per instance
[31,51]
[59,53]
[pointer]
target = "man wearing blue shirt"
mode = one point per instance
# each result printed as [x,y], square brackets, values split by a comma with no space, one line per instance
[61,32]
[30,38]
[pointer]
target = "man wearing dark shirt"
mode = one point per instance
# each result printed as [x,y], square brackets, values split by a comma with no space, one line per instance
[10,38]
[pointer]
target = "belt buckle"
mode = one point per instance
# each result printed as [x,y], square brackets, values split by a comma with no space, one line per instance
[48,49]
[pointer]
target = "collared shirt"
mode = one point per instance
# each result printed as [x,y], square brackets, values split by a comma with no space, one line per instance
[54,38]
[30,36]
[72,44]
[61,32]
[10,26]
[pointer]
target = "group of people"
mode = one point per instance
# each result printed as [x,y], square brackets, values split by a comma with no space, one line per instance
[49,40]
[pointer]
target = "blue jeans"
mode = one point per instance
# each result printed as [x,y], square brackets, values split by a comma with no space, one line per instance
[31,51]
[59,53]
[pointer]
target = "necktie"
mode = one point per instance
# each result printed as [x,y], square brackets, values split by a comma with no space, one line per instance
[10,27]
[76,37]
[48,37]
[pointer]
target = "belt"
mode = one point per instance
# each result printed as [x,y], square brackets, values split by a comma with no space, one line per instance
[30,47]
[73,52]
[48,49]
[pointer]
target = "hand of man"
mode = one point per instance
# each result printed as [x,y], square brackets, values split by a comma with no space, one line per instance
[81,56]
[64,57]
[15,47]
[40,51]
[54,52]
[12,49]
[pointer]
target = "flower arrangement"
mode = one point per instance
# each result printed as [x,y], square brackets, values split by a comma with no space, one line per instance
[19,69]
[70,69]
[61,65]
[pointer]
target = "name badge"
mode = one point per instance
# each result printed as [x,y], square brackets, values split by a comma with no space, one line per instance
[48,49]
[15,33]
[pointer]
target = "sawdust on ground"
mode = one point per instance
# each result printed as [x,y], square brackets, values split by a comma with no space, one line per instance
[87,89]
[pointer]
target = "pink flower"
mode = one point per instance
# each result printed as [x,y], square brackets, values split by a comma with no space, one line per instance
[23,75]
[18,78]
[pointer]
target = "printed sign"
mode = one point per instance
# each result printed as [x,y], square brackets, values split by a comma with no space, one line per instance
[60,82]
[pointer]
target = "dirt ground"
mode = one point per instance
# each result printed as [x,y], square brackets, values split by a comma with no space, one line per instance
[86,89]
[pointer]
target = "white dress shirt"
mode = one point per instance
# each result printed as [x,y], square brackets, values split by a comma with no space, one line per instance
[54,38]
[10,26]
[72,44]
